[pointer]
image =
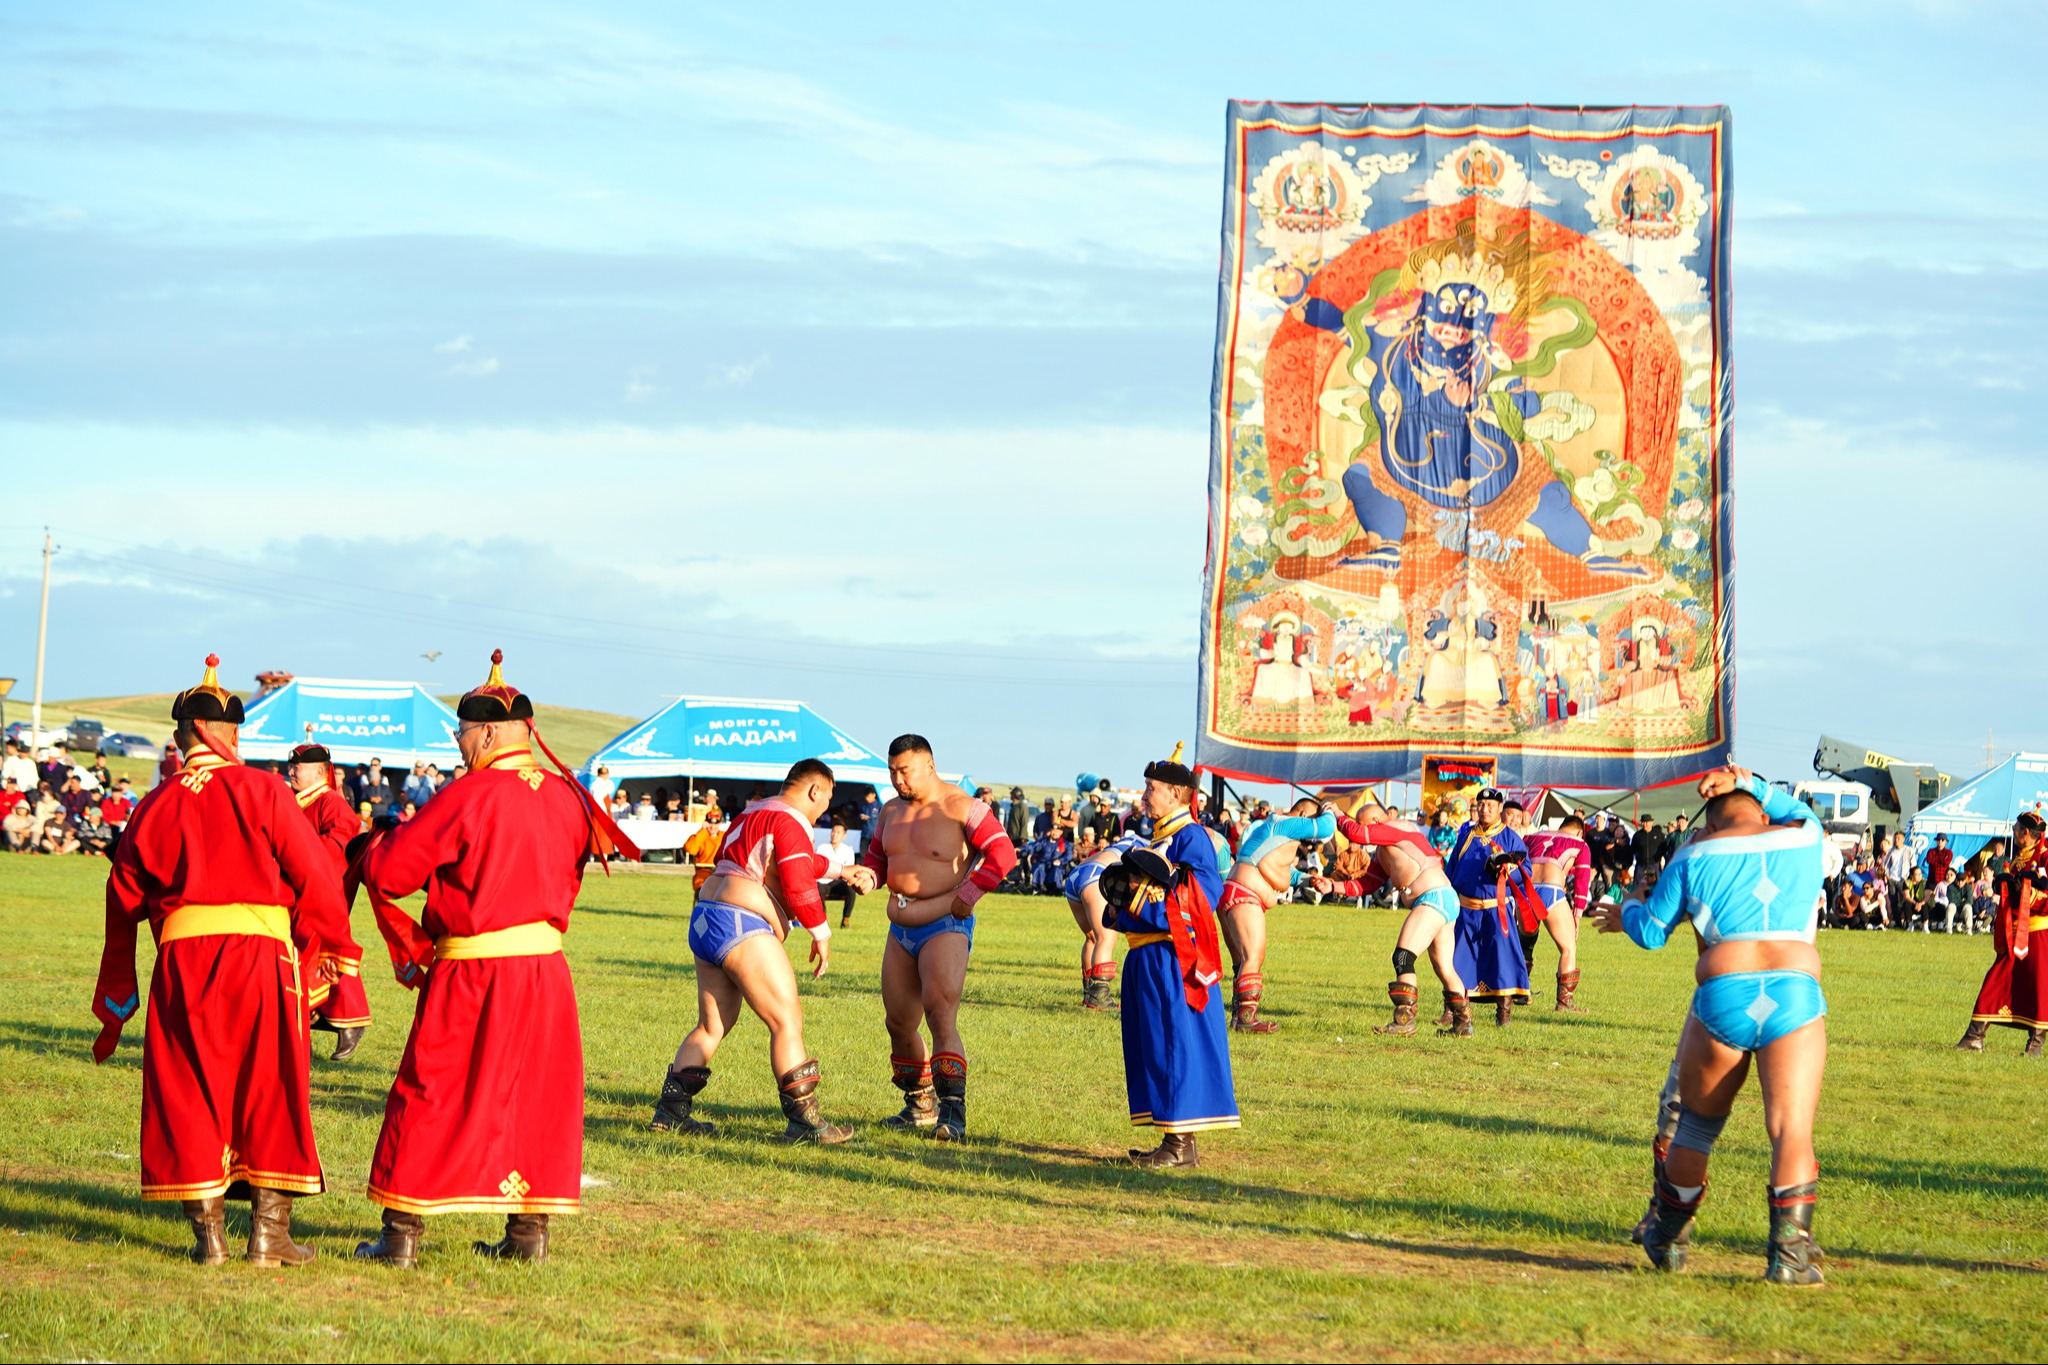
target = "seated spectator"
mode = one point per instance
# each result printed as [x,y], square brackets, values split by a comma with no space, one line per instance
[118,805]
[1045,822]
[17,815]
[833,886]
[419,788]
[406,811]
[56,833]
[1876,914]
[672,809]
[621,805]
[366,813]
[375,788]
[95,835]
[19,766]
[1847,904]
[98,777]
[645,809]
[74,798]
[1915,896]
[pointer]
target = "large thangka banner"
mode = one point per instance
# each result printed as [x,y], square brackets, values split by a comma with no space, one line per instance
[1469,485]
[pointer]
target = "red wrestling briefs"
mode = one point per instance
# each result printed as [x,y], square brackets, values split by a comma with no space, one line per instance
[1236,894]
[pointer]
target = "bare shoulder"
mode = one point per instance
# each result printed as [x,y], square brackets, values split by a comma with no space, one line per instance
[959,804]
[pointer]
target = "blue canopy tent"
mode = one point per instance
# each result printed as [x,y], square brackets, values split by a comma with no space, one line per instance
[398,722]
[1983,808]
[738,738]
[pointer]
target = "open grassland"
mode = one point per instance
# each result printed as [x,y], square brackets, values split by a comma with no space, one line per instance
[1422,1198]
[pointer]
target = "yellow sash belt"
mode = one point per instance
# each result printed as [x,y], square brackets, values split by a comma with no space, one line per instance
[2036,923]
[1146,939]
[193,921]
[1476,903]
[521,940]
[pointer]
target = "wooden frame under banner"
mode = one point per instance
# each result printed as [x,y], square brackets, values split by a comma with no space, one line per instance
[1454,779]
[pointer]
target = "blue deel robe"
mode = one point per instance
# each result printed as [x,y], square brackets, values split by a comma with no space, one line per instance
[1489,961]
[1176,1058]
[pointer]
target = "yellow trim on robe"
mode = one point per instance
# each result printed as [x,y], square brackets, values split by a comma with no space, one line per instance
[197,921]
[479,1203]
[290,1183]
[2036,923]
[522,940]
[1186,1125]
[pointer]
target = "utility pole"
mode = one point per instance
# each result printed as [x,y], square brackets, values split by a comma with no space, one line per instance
[35,717]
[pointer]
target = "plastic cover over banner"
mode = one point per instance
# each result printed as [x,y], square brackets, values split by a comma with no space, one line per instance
[1468,486]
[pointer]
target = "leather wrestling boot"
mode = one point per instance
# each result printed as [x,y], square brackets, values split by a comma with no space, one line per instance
[1670,1229]
[949,1084]
[1174,1149]
[270,1230]
[920,1101]
[799,1092]
[1403,997]
[1503,1011]
[1643,1224]
[1249,989]
[1973,1036]
[525,1239]
[1459,1009]
[209,1220]
[2035,1037]
[399,1243]
[1567,991]
[678,1093]
[346,1041]
[1094,994]
[1793,1252]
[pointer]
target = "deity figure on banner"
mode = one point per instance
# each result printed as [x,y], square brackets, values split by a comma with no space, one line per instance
[1282,674]
[1461,644]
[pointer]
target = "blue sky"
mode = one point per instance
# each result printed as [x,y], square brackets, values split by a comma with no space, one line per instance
[864,357]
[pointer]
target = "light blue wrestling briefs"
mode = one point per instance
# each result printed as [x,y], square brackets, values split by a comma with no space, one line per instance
[717,928]
[912,940]
[1746,1010]
[1443,900]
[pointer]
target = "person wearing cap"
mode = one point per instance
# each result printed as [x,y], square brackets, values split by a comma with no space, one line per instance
[1175,1038]
[486,1113]
[1488,866]
[243,904]
[346,1012]
[2015,989]
[701,848]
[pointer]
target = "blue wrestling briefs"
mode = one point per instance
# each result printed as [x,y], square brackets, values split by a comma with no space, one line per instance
[717,928]
[1082,877]
[1443,900]
[1746,1010]
[912,940]
[1551,896]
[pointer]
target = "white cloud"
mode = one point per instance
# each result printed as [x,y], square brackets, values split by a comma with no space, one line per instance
[481,368]
[455,345]
[640,385]
[732,376]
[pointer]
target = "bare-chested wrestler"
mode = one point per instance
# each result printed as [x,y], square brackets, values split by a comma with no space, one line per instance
[1265,867]
[939,851]
[1557,858]
[1403,858]
[766,875]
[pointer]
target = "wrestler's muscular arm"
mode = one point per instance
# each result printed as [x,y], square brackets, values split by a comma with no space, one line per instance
[797,868]
[990,856]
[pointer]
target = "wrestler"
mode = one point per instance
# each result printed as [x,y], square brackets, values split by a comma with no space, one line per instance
[1264,868]
[1750,884]
[1098,943]
[1486,866]
[1403,858]
[939,851]
[242,899]
[2015,989]
[1558,857]
[346,1013]
[766,876]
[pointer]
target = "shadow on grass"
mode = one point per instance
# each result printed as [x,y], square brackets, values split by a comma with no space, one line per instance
[74,1044]
[83,1211]
[679,917]
[1499,1125]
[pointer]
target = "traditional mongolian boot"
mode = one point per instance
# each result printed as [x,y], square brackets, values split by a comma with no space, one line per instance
[1529,941]
[1670,1228]
[1793,1252]
[800,1106]
[1567,990]
[346,1041]
[949,1081]
[2035,1037]
[399,1243]
[1403,997]
[270,1230]
[920,1101]
[525,1239]
[1503,1010]
[1973,1036]
[1174,1149]
[1098,992]
[1658,1150]
[678,1094]
[1459,1010]
[1248,990]
[209,1230]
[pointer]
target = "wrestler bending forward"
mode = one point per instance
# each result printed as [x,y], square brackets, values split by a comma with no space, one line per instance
[766,875]
[1750,883]
[1265,867]
[939,851]
[1403,858]
[1083,889]
[1557,857]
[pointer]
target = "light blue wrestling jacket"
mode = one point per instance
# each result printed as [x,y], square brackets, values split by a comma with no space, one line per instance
[1261,838]
[1755,887]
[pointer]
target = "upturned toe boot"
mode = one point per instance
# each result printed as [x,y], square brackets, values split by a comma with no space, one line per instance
[1403,996]
[208,1218]
[1567,992]
[678,1094]
[1793,1254]
[949,1084]
[920,1101]
[270,1231]
[1973,1037]
[799,1093]
[1457,1009]
[1249,990]
[1669,1230]
[525,1239]
[398,1244]
[1174,1149]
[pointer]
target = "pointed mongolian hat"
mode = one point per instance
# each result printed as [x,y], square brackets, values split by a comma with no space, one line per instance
[209,700]
[1171,771]
[495,699]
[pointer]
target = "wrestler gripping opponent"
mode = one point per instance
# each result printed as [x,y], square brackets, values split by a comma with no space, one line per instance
[1750,883]
[1098,943]
[1557,857]
[1265,867]
[1403,858]
[939,851]
[766,875]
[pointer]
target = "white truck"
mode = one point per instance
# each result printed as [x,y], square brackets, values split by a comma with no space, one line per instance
[1843,808]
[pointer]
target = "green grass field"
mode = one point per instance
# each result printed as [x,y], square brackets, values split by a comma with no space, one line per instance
[1420,1198]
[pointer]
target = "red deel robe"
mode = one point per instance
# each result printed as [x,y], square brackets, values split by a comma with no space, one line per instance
[346,1006]
[226,1070]
[486,1114]
[2015,990]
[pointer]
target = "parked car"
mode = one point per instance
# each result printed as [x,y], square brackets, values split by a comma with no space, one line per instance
[130,746]
[84,734]
[51,734]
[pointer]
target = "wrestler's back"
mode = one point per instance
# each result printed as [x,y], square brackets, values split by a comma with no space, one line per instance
[926,843]
[1409,870]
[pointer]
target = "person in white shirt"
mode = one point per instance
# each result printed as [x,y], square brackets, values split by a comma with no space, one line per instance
[833,886]
[645,809]
[19,766]
[602,786]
